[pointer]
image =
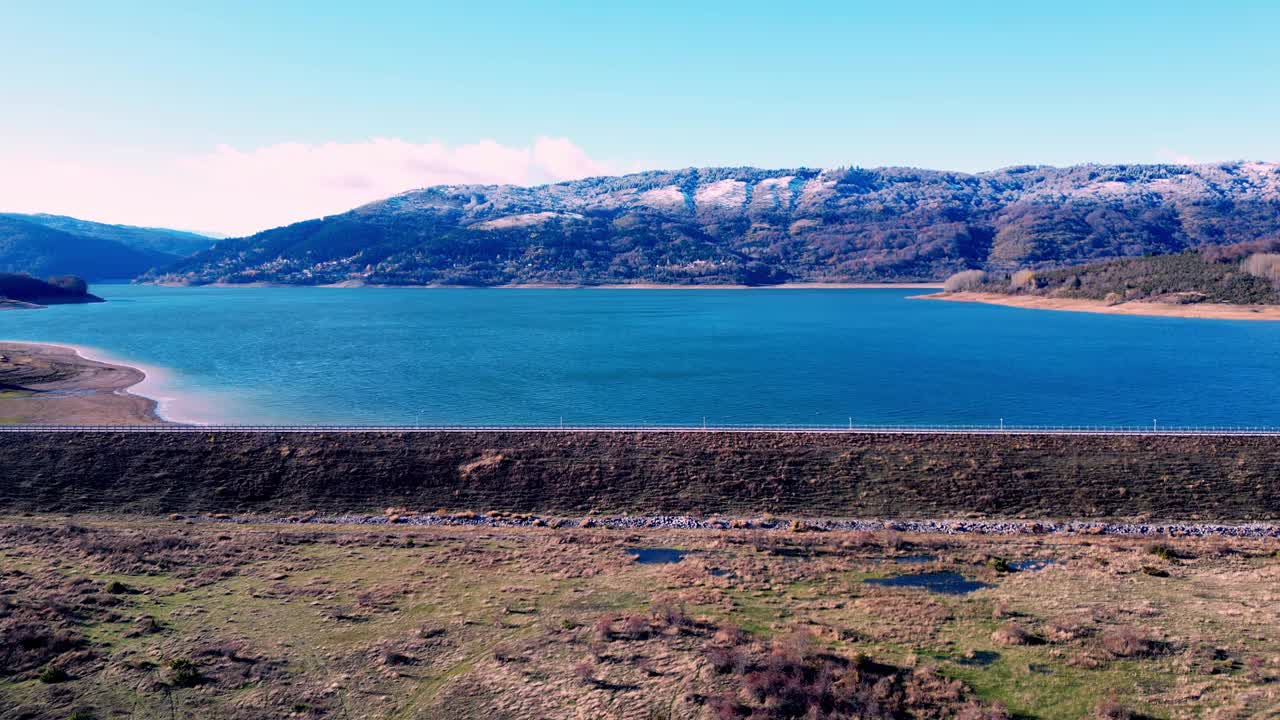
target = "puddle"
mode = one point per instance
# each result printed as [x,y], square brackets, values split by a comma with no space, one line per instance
[803,553]
[947,583]
[656,556]
[979,658]
[1031,565]
[915,559]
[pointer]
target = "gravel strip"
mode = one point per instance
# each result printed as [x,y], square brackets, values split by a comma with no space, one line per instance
[687,522]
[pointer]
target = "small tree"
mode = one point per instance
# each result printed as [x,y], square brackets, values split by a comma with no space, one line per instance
[965,280]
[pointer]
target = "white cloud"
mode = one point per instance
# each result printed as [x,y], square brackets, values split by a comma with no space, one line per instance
[242,191]
[1173,156]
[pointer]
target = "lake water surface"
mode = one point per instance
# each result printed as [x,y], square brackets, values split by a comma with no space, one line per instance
[509,356]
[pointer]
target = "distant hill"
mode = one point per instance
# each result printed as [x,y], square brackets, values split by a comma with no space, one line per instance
[745,225]
[35,249]
[1241,274]
[24,289]
[170,242]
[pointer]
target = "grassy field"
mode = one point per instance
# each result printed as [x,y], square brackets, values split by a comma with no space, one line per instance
[119,618]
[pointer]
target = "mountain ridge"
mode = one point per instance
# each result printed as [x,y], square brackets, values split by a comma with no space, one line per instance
[742,225]
[180,243]
[38,250]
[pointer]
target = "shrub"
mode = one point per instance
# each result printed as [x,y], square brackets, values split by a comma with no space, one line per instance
[965,280]
[389,656]
[585,671]
[1014,634]
[999,564]
[795,680]
[1127,642]
[1065,630]
[1164,552]
[726,660]
[28,645]
[730,634]
[1111,710]
[53,674]
[603,630]
[636,627]
[184,673]
[670,616]
[1023,280]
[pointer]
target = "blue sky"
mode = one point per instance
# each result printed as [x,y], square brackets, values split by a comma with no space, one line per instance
[133,87]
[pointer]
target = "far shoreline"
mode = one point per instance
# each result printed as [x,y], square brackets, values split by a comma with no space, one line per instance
[355,284]
[1201,311]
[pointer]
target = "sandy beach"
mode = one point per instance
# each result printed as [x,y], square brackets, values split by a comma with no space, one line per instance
[52,385]
[1207,311]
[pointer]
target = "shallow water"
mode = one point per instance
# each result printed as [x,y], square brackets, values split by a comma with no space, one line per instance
[914,559]
[508,356]
[947,583]
[656,556]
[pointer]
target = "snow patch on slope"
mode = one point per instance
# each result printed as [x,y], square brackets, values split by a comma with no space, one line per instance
[663,198]
[773,193]
[723,193]
[525,220]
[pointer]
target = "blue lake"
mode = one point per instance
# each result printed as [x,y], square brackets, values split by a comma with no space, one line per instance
[433,356]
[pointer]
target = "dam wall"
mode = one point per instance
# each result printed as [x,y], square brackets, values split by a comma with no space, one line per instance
[920,475]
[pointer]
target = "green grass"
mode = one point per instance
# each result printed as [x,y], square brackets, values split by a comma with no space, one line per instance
[538,600]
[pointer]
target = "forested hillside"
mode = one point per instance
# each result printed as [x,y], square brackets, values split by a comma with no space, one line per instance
[32,248]
[1240,274]
[55,291]
[162,240]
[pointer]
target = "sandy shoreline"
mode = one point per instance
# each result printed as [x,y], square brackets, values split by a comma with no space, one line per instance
[1206,311]
[783,286]
[46,384]
[353,284]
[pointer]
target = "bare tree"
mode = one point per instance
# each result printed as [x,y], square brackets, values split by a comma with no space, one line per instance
[1263,265]
[965,280]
